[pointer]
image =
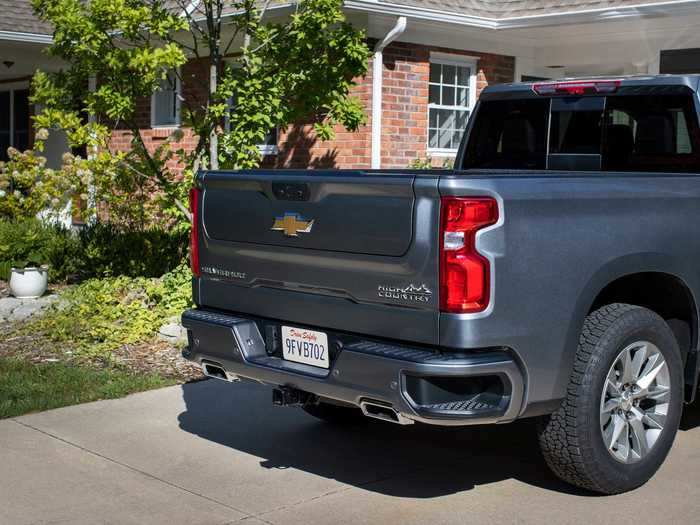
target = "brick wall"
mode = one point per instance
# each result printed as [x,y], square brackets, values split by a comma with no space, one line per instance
[404,119]
[405,97]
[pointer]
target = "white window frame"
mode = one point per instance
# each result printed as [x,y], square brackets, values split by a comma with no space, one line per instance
[458,61]
[178,104]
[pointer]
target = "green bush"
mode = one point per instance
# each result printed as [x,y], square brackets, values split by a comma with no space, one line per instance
[106,250]
[100,315]
[99,250]
[23,243]
[28,187]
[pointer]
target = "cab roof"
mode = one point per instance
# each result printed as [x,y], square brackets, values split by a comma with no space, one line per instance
[632,84]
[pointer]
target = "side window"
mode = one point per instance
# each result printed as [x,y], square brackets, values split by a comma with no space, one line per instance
[509,134]
[651,134]
[165,103]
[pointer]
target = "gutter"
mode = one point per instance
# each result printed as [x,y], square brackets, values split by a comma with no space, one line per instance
[32,38]
[603,14]
[377,82]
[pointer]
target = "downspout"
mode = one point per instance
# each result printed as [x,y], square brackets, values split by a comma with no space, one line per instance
[377,81]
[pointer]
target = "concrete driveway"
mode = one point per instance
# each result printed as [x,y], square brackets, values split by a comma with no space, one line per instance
[215,453]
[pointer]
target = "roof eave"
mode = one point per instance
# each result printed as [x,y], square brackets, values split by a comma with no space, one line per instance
[32,38]
[570,17]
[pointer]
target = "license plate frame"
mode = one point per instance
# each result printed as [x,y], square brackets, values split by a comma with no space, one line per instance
[304,346]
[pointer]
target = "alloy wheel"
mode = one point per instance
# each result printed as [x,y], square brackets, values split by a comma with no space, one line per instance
[635,402]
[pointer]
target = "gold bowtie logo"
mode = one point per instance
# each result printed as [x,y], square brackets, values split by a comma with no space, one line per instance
[292,225]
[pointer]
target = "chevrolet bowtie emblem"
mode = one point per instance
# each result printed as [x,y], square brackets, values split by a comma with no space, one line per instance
[292,224]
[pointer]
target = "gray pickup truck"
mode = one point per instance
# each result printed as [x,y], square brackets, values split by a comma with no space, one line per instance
[553,273]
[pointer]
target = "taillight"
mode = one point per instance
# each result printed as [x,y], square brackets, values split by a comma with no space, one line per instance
[464,272]
[194,231]
[577,87]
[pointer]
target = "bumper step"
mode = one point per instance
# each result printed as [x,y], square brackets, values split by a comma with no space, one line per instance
[444,388]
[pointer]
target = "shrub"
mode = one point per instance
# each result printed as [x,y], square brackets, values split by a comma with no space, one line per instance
[100,315]
[427,164]
[22,244]
[99,250]
[106,250]
[28,187]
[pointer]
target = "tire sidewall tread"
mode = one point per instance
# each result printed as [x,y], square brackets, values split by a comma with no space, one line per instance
[571,439]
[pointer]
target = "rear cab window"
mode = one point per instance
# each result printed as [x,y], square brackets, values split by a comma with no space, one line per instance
[640,133]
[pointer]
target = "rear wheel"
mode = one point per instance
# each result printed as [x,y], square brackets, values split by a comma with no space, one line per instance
[623,403]
[335,414]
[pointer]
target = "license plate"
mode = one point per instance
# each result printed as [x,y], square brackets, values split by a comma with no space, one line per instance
[305,346]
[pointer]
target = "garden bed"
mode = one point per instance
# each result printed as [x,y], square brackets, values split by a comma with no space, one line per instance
[41,354]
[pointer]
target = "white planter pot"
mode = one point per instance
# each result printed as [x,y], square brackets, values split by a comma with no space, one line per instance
[29,283]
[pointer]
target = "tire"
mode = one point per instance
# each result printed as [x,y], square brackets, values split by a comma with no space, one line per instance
[579,441]
[335,414]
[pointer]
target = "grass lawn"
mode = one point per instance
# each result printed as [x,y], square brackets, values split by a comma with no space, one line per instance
[28,387]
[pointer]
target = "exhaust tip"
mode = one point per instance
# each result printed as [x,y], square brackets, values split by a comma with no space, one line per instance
[384,412]
[214,370]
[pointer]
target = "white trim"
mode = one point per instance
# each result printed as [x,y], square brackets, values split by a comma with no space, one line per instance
[443,152]
[377,87]
[459,61]
[32,38]
[178,104]
[269,149]
[567,17]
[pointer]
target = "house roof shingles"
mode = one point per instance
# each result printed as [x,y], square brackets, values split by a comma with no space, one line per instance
[18,17]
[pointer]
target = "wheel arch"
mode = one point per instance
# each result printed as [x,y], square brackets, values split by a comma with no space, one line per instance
[655,281]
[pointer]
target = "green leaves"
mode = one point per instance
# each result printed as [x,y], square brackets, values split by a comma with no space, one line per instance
[100,315]
[300,70]
[24,244]
[121,43]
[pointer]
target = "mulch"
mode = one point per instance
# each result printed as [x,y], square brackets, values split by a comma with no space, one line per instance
[153,357]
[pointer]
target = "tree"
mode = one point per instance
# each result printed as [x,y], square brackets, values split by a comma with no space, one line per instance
[263,75]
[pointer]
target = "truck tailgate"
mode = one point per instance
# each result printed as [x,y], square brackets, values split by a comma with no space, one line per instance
[343,250]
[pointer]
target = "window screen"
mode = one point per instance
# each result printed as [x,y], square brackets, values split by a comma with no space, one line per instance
[449,106]
[165,102]
[509,134]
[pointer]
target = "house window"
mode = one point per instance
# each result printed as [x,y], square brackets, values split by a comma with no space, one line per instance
[165,102]
[452,95]
[14,120]
[268,145]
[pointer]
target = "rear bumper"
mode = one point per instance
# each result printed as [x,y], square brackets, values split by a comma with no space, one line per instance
[422,385]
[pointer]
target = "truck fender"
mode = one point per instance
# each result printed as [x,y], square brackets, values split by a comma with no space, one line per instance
[609,272]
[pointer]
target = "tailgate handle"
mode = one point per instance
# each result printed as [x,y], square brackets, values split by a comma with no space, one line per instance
[291,191]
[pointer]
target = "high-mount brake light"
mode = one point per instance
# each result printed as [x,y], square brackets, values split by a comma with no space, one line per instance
[465,274]
[577,87]
[195,194]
